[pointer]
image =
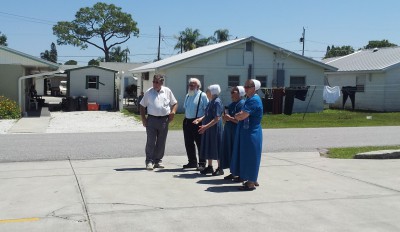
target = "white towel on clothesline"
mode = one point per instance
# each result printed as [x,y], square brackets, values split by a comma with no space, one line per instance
[331,94]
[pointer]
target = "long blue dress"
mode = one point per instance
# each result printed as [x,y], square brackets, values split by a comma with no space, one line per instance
[211,140]
[229,135]
[247,149]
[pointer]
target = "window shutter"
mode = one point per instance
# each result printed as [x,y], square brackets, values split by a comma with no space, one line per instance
[97,82]
[87,82]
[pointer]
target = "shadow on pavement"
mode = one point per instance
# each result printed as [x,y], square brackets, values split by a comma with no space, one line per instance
[223,189]
[215,182]
[129,169]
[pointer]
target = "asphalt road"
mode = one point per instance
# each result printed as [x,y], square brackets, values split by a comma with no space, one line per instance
[87,146]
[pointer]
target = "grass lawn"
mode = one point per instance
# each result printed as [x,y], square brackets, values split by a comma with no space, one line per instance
[327,118]
[350,152]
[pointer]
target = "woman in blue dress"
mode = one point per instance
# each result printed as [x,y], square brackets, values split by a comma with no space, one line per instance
[246,156]
[211,130]
[230,128]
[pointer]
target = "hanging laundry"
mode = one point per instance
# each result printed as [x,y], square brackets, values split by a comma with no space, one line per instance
[349,91]
[290,94]
[301,93]
[331,94]
[277,100]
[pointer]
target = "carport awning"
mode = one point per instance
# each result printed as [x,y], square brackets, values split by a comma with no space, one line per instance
[41,75]
[38,76]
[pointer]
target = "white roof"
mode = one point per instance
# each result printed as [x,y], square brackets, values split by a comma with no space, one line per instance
[205,50]
[11,56]
[183,56]
[379,59]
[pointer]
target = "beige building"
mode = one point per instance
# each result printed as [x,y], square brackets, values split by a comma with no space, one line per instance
[19,71]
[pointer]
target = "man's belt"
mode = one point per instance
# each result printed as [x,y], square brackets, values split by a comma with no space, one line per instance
[165,116]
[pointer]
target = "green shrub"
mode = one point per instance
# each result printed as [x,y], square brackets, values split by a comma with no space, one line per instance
[9,109]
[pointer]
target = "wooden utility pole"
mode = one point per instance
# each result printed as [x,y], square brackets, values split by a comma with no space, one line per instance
[159,42]
[180,39]
[302,39]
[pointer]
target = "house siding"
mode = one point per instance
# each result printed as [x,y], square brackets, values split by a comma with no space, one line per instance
[103,95]
[8,80]
[373,96]
[392,90]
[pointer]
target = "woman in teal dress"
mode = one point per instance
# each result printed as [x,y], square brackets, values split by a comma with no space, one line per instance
[211,130]
[230,128]
[247,149]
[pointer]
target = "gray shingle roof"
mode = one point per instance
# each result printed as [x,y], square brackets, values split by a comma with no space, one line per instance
[379,59]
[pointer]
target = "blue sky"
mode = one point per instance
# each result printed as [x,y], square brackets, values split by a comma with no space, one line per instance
[28,24]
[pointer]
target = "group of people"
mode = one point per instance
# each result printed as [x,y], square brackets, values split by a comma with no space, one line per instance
[235,144]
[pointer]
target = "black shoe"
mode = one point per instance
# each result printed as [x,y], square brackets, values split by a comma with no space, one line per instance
[218,172]
[238,179]
[189,165]
[229,177]
[207,170]
[201,167]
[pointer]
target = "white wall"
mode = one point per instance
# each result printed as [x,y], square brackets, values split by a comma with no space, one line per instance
[392,90]
[373,96]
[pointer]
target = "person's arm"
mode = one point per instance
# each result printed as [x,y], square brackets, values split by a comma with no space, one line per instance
[229,118]
[143,115]
[203,128]
[198,120]
[173,112]
[241,115]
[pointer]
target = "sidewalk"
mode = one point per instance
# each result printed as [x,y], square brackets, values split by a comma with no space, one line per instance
[298,192]
[30,125]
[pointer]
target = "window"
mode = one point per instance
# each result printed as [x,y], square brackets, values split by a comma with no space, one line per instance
[249,46]
[263,81]
[297,81]
[360,83]
[92,82]
[233,81]
[145,76]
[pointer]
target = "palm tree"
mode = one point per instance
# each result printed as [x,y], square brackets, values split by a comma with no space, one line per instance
[204,42]
[187,39]
[119,55]
[221,35]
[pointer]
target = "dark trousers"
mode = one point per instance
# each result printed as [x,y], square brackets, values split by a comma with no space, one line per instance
[349,91]
[192,139]
[157,131]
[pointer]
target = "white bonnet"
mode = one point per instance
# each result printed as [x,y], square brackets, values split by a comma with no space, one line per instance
[241,91]
[214,89]
[257,84]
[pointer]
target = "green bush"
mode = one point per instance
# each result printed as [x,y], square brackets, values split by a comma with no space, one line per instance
[9,109]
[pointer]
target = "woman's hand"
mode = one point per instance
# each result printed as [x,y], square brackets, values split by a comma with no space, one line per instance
[202,129]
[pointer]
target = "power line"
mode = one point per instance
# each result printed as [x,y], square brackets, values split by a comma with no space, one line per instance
[30,19]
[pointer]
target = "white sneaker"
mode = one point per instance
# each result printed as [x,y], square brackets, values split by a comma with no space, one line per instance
[149,166]
[159,165]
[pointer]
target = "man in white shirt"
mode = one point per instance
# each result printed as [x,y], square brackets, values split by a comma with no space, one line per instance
[161,107]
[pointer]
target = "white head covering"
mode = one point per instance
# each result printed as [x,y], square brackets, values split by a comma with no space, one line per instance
[257,84]
[214,89]
[241,91]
